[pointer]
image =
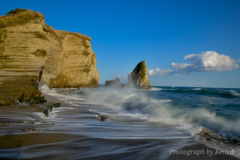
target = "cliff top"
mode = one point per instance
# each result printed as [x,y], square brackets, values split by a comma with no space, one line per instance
[62,34]
[21,16]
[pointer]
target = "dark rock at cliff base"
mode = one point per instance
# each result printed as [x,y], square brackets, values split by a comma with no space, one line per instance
[103,117]
[50,108]
[138,78]
[116,83]
[35,98]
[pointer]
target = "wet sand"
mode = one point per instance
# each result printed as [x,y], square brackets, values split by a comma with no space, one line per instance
[79,133]
[206,153]
[61,146]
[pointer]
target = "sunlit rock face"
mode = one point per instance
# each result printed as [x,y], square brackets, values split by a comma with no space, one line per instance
[139,77]
[73,64]
[32,52]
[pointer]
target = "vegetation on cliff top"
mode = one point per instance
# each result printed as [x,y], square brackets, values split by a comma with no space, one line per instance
[15,11]
[49,29]
[19,16]
[62,34]
[59,35]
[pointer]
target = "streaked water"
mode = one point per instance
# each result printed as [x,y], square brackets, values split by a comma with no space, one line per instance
[107,123]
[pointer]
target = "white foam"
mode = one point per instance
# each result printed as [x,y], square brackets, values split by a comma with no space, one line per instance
[66,97]
[155,89]
[197,89]
[234,93]
[39,115]
[136,104]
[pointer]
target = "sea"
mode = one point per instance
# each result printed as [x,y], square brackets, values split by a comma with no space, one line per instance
[164,122]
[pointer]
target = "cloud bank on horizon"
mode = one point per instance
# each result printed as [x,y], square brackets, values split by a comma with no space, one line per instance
[202,62]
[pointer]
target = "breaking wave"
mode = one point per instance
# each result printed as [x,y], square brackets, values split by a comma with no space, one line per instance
[147,105]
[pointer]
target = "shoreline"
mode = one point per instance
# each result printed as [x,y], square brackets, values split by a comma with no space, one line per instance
[77,132]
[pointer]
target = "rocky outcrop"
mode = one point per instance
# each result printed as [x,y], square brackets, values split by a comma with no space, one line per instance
[116,83]
[139,77]
[32,52]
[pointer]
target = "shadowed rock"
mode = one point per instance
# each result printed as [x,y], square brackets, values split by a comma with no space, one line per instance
[116,83]
[50,108]
[139,77]
[104,117]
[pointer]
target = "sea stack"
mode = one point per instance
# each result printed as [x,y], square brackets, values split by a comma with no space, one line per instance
[138,78]
[32,52]
[116,83]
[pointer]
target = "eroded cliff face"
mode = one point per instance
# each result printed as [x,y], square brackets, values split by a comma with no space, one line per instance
[32,53]
[73,64]
[139,77]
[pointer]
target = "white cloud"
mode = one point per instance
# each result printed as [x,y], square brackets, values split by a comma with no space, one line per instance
[123,77]
[158,72]
[205,61]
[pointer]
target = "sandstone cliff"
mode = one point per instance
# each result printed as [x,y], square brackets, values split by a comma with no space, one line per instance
[139,77]
[32,52]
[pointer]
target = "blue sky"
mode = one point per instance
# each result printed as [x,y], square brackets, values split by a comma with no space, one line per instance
[160,32]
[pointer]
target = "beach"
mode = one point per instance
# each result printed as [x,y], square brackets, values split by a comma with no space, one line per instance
[106,123]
